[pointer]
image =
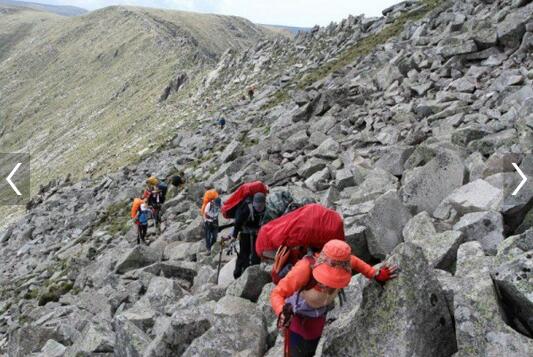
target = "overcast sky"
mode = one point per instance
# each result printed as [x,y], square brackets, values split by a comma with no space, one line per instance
[304,13]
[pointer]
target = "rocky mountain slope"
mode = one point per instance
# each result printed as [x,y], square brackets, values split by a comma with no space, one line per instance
[407,125]
[88,93]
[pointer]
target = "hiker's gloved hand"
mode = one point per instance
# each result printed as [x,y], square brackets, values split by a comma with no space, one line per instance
[284,319]
[386,273]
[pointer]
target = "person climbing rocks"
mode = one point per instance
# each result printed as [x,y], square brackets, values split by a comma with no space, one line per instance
[248,219]
[135,208]
[177,181]
[155,201]
[222,123]
[143,215]
[302,299]
[251,91]
[212,210]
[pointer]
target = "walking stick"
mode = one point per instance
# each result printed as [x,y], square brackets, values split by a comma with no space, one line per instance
[220,257]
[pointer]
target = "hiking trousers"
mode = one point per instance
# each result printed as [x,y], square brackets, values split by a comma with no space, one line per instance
[143,229]
[300,347]
[247,255]
[211,233]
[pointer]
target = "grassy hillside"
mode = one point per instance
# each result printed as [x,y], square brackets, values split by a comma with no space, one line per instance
[58,10]
[84,91]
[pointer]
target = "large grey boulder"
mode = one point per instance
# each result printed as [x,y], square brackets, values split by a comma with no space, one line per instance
[484,227]
[328,150]
[406,317]
[160,293]
[231,151]
[264,305]
[27,339]
[514,280]
[95,338]
[193,232]
[356,238]
[319,180]
[310,167]
[454,46]
[394,158]
[181,250]
[425,187]
[387,75]
[136,258]
[517,244]
[184,326]
[250,283]
[376,182]
[53,348]
[513,27]
[480,329]
[385,222]
[440,249]
[238,328]
[225,277]
[475,196]
[344,178]
[131,341]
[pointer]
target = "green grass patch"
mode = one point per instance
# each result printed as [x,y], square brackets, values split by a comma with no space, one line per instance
[116,218]
[279,97]
[54,292]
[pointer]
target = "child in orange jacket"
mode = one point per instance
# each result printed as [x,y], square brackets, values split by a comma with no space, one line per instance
[303,298]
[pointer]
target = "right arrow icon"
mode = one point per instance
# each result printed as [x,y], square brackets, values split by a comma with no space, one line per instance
[524,179]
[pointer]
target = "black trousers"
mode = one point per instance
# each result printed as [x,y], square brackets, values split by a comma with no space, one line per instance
[247,255]
[211,233]
[143,229]
[300,347]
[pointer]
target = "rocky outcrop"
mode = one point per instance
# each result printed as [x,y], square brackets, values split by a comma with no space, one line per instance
[399,319]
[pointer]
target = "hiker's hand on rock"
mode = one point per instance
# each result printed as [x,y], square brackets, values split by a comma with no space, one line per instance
[386,273]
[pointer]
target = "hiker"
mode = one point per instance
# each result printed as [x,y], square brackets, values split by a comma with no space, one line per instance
[209,196]
[246,206]
[135,207]
[155,201]
[222,123]
[177,181]
[143,215]
[251,91]
[287,239]
[211,212]
[303,298]
[247,223]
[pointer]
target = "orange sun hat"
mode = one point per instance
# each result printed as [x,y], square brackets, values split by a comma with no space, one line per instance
[332,267]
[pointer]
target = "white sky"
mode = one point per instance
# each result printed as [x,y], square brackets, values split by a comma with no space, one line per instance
[303,13]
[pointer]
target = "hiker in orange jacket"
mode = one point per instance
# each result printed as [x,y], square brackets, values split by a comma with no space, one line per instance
[303,298]
[209,196]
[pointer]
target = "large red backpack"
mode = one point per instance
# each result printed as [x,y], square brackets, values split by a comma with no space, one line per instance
[244,191]
[289,236]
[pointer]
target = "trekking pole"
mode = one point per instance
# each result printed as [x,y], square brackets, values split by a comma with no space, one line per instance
[220,257]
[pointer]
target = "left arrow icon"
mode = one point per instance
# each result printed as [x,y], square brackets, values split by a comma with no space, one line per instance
[10,176]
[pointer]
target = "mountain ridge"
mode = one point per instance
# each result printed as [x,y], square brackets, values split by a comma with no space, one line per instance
[64,10]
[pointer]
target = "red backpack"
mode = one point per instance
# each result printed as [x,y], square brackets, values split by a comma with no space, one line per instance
[244,191]
[289,236]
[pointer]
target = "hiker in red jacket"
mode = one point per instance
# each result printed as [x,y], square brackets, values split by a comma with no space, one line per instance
[303,298]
